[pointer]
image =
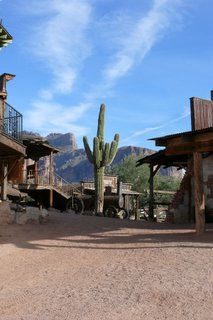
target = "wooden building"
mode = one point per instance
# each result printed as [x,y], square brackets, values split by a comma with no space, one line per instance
[193,151]
[12,150]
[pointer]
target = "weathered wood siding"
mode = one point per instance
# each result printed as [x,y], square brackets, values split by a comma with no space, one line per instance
[201,113]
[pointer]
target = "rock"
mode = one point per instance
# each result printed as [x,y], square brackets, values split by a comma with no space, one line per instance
[12,216]
[16,207]
[13,213]
[5,213]
[31,216]
[44,214]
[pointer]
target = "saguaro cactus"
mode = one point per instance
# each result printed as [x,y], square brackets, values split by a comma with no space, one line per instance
[101,156]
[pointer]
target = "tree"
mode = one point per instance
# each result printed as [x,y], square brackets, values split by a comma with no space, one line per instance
[127,171]
[101,156]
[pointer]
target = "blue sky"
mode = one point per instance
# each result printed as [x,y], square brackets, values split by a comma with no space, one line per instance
[143,58]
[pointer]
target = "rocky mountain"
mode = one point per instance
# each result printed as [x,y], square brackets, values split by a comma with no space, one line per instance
[72,164]
[65,142]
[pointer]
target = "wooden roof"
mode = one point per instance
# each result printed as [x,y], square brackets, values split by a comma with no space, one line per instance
[160,158]
[187,142]
[37,147]
[5,37]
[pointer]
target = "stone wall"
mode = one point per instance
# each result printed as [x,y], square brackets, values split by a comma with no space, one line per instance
[180,205]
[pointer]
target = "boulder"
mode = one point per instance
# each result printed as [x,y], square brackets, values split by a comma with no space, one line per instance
[5,213]
[44,214]
[31,216]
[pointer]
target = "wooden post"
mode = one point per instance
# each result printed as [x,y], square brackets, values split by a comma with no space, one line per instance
[151,192]
[190,173]
[199,193]
[51,178]
[36,171]
[4,182]
[51,198]
[51,168]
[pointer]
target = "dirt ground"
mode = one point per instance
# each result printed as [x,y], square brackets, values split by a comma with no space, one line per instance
[94,268]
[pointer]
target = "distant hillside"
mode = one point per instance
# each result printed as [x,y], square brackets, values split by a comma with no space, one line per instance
[72,164]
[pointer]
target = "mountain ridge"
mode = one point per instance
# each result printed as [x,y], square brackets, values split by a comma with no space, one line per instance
[72,164]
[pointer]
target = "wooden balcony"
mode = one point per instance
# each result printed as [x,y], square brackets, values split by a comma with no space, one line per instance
[11,145]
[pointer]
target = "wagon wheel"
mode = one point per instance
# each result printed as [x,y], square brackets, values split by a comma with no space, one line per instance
[110,212]
[76,205]
[122,213]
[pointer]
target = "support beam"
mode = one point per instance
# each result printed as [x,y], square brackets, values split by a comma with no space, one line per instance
[51,168]
[199,193]
[4,182]
[36,171]
[151,192]
[51,198]
[190,198]
[151,188]
[51,177]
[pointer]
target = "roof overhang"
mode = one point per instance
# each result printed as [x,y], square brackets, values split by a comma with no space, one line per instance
[160,158]
[37,147]
[187,142]
[5,37]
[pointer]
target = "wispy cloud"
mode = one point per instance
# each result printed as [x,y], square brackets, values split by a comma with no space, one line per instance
[59,41]
[62,44]
[133,38]
[147,31]
[56,118]
[160,126]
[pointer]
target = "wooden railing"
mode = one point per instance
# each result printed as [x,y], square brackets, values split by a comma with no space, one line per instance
[43,179]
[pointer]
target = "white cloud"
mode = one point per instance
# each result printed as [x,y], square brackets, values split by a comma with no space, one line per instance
[59,40]
[151,129]
[147,31]
[55,118]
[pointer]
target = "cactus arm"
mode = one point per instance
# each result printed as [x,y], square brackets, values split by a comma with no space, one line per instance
[116,137]
[88,150]
[113,149]
[106,154]
[100,131]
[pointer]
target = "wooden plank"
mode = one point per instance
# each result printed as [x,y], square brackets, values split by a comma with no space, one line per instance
[201,146]
[190,174]
[201,113]
[199,198]
[151,193]
[4,182]
[9,143]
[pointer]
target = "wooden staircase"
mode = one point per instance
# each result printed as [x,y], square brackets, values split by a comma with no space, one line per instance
[60,190]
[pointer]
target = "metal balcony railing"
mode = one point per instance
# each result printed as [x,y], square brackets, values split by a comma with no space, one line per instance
[11,121]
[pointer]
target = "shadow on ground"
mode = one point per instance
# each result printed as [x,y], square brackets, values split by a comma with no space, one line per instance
[90,232]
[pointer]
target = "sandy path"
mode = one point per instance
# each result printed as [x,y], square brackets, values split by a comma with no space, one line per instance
[82,267]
